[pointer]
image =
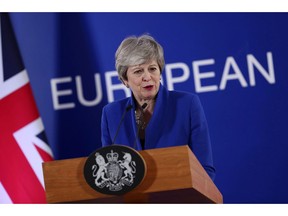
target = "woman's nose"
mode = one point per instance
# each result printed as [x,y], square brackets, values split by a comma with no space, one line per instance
[146,76]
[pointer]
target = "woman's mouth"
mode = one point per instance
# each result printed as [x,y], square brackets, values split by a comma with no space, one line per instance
[148,87]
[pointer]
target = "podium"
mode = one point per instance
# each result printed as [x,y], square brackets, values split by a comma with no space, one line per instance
[174,175]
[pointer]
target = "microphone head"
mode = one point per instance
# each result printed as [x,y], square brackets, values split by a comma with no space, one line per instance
[128,108]
[144,106]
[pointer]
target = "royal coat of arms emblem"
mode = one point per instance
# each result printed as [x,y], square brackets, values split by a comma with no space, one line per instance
[114,169]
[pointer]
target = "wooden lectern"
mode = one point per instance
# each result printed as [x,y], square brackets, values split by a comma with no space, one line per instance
[174,175]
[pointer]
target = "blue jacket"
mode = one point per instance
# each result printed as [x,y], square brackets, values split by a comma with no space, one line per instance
[178,119]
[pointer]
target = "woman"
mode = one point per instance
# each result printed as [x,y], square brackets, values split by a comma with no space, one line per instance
[156,117]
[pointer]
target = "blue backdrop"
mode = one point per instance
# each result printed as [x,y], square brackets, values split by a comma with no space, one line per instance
[237,63]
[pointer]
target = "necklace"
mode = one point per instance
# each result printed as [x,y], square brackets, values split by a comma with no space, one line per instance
[140,120]
[143,115]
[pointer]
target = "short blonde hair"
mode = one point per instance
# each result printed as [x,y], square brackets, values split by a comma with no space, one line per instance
[135,51]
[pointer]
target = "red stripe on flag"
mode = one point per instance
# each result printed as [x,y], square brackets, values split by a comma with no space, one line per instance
[18,178]
[43,154]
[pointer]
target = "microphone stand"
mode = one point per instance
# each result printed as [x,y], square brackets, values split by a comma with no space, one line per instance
[122,118]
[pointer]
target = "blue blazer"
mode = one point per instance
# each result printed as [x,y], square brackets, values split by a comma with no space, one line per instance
[178,119]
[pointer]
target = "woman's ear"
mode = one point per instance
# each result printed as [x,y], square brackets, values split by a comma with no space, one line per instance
[124,82]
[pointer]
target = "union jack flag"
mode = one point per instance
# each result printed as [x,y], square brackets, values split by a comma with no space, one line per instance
[23,144]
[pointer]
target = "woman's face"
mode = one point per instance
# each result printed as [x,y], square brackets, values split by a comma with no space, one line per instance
[144,80]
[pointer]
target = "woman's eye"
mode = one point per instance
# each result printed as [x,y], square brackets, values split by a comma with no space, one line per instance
[137,71]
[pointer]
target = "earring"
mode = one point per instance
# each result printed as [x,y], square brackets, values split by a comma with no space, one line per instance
[124,83]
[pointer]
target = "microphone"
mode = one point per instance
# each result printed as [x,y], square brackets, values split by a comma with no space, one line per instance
[140,122]
[129,107]
[143,107]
